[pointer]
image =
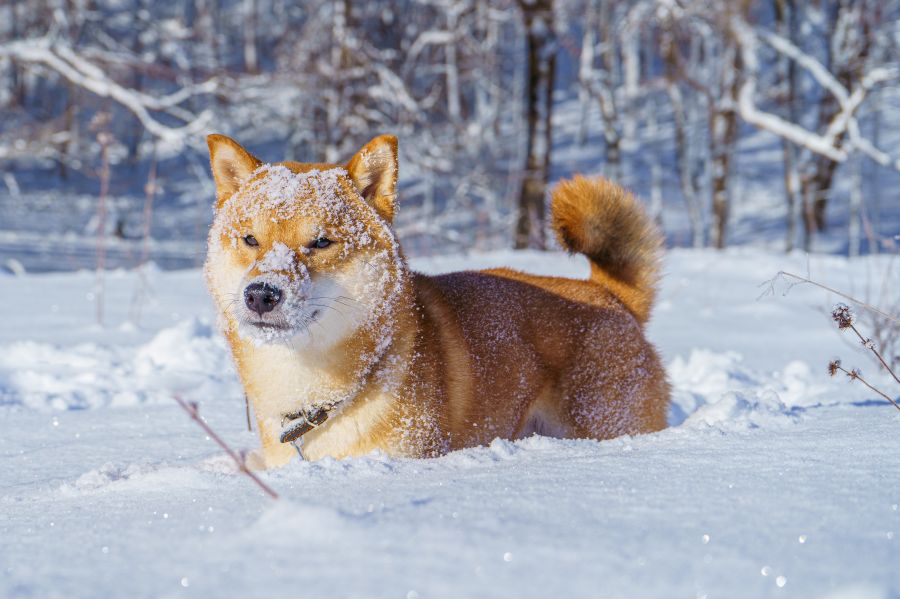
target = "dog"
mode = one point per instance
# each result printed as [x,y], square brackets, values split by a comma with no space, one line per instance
[342,349]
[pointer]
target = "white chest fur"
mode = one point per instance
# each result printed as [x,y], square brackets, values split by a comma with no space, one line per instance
[282,381]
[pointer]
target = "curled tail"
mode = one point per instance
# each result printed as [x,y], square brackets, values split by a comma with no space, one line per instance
[601,220]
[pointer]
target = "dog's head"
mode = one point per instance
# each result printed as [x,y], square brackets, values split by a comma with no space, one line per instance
[303,254]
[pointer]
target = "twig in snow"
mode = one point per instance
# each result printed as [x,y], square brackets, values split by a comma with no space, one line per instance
[193,412]
[843,317]
[797,280]
[855,375]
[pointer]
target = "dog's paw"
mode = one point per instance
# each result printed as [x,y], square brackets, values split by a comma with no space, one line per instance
[267,458]
[254,459]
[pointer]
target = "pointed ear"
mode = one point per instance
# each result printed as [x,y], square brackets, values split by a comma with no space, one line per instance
[374,172]
[231,165]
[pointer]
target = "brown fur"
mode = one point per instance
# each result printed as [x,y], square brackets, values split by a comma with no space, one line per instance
[599,219]
[472,355]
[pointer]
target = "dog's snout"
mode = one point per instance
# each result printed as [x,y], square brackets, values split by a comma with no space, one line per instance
[262,297]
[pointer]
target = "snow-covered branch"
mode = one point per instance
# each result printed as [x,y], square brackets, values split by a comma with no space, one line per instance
[815,68]
[844,122]
[84,74]
[869,149]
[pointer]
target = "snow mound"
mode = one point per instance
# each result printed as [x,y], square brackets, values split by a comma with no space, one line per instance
[716,389]
[736,410]
[187,358]
[104,476]
[142,477]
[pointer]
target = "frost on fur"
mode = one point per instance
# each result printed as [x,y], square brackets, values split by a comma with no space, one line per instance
[320,307]
[601,220]
[280,257]
[281,194]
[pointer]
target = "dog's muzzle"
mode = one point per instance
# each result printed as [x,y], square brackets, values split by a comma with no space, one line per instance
[262,297]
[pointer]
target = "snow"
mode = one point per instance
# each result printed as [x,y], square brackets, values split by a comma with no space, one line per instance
[280,257]
[277,191]
[774,480]
[184,358]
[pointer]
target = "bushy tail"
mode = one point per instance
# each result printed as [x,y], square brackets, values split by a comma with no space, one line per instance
[601,220]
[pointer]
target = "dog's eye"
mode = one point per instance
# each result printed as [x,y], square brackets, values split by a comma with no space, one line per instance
[320,243]
[251,241]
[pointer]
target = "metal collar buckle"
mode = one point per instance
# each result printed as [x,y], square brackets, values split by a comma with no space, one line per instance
[300,423]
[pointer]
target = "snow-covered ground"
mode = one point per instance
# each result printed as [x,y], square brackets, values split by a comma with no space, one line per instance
[774,479]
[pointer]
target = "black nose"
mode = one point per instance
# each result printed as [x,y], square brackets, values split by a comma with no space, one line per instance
[262,297]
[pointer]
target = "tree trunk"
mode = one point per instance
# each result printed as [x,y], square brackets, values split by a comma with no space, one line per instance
[541,61]
[339,62]
[790,193]
[612,139]
[821,173]
[856,207]
[689,191]
[585,72]
[807,195]
[137,81]
[849,45]
[16,72]
[251,59]
[720,204]
[788,26]
[723,130]
[825,168]
[71,124]
[452,74]
[656,183]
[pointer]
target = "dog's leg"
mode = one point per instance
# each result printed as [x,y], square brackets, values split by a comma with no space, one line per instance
[624,393]
[274,453]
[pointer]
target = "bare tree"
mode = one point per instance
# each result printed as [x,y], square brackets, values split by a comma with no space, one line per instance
[541,60]
[787,24]
[844,82]
[468,85]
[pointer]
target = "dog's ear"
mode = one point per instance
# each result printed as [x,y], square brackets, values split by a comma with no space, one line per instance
[374,172]
[231,165]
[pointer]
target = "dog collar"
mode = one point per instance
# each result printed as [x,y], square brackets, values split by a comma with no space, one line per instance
[297,424]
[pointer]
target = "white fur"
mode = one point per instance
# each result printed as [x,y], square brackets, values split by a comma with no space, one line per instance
[319,311]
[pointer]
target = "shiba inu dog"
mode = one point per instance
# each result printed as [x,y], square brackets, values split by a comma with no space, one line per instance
[342,349]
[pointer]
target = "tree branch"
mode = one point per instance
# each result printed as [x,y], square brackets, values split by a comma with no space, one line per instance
[844,121]
[82,73]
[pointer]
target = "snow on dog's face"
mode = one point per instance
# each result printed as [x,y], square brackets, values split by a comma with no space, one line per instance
[303,254]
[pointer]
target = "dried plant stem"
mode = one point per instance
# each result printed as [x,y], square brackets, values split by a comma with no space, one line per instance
[105,139]
[850,298]
[194,413]
[854,375]
[867,343]
[150,190]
